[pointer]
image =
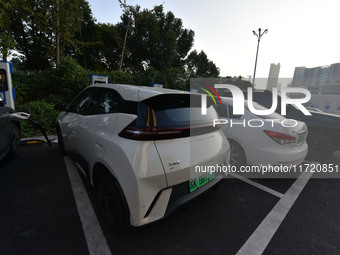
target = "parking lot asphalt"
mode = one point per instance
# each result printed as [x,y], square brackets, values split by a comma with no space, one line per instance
[40,214]
[313,224]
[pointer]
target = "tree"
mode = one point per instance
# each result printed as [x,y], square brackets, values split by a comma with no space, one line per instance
[237,81]
[67,18]
[86,40]
[6,40]
[44,30]
[32,31]
[151,44]
[156,39]
[198,65]
[127,9]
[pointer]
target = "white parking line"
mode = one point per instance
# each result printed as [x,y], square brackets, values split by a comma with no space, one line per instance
[94,236]
[261,237]
[257,185]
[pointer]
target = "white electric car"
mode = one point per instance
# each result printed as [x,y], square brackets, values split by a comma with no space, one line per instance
[138,146]
[262,140]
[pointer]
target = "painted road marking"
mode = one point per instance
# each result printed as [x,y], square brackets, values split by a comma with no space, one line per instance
[257,185]
[261,237]
[94,236]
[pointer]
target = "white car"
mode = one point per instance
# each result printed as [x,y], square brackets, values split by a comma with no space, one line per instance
[136,146]
[262,140]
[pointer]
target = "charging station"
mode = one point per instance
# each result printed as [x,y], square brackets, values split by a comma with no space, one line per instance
[6,90]
[156,85]
[96,78]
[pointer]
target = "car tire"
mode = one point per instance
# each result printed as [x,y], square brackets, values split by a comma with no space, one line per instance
[60,142]
[111,203]
[15,141]
[320,146]
[237,155]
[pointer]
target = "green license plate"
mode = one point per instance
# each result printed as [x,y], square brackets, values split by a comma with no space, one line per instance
[301,138]
[200,181]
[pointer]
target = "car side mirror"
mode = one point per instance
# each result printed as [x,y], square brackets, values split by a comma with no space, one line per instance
[60,107]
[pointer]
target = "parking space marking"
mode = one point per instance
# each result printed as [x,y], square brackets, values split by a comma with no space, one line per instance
[94,236]
[261,237]
[257,185]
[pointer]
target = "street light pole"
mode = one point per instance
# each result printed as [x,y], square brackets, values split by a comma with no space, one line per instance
[259,35]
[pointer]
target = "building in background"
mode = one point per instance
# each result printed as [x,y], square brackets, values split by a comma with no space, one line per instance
[321,80]
[273,76]
[324,84]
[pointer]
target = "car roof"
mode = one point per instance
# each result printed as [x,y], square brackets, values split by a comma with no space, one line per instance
[138,93]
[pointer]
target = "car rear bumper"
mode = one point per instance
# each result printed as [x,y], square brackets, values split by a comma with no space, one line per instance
[276,156]
[179,196]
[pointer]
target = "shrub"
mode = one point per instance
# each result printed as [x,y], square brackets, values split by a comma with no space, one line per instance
[41,112]
[60,84]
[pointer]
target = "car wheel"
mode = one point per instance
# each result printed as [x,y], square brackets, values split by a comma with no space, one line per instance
[237,156]
[320,147]
[15,141]
[60,142]
[111,203]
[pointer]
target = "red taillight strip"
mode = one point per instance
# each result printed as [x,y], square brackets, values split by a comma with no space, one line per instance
[280,138]
[136,133]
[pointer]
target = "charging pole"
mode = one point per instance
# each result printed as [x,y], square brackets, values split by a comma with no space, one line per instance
[6,90]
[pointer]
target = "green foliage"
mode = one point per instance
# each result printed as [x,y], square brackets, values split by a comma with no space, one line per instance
[41,112]
[238,81]
[53,85]
[6,40]
[198,65]
[96,43]
[145,78]
[173,78]
[156,38]
[119,77]
[156,51]
[31,25]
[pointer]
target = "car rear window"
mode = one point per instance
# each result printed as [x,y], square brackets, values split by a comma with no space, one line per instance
[174,110]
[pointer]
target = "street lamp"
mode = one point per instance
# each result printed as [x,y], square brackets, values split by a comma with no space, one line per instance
[259,35]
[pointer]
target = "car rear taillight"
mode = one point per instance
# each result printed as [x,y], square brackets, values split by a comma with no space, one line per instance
[280,138]
[146,133]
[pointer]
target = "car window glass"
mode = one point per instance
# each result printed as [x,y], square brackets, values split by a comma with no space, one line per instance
[259,107]
[105,101]
[222,110]
[81,102]
[165,111]
[231,114]
[266,100]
